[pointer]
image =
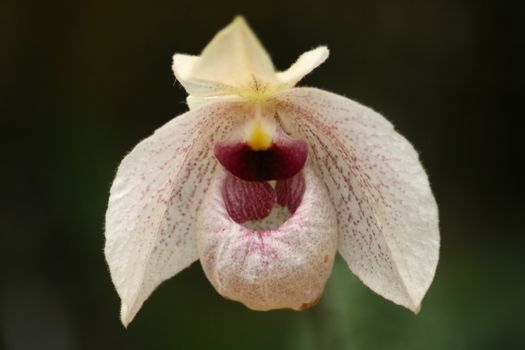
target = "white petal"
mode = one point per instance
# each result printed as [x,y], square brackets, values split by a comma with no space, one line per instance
[306,63]
[183,66]
[194,102]
[234,58]
[154,200]
[388,218]
[283,267]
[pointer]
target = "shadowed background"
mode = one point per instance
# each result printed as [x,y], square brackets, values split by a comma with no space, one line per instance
[82,82]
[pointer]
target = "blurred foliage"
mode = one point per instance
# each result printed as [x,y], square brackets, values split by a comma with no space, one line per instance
[82,82]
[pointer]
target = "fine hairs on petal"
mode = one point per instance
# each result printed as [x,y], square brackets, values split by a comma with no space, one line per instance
[154,199]
[388,220]
[345,181]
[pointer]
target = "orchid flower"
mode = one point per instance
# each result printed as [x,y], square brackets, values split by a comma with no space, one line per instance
[263,183]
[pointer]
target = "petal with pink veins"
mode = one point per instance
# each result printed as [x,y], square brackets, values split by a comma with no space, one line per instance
[387,214]
[154,200]
[282,261]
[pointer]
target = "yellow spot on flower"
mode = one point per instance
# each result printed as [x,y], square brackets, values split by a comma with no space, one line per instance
[259,137]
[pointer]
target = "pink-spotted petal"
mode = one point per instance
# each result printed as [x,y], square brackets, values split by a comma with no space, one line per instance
[281,267]
[154,199]
[388,217]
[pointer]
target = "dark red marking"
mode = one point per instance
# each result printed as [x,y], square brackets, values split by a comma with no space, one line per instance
[290,192]
[247,200]
[254,200]
[285,158]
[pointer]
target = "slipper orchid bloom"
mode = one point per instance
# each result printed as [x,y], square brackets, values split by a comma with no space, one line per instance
[263,183]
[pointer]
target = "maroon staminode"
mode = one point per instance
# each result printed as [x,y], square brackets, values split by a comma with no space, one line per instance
[285,158]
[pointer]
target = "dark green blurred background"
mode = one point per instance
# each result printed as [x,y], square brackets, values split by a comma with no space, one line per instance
[82,82]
